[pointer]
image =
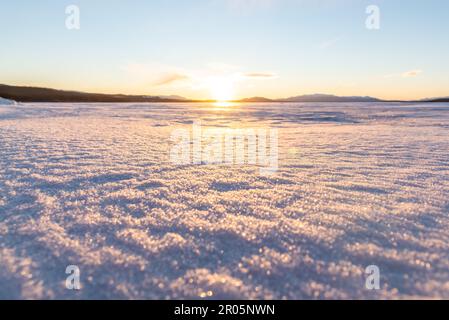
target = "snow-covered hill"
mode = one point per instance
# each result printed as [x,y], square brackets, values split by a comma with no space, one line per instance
[6,102]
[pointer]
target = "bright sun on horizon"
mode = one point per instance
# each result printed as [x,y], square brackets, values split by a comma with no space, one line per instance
[222,89]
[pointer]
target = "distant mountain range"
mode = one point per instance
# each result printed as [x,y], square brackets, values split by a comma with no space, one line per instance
[440,100]
[172,97]
[35,94]
[331,98]
[315,98]
[443,99]
[256,99]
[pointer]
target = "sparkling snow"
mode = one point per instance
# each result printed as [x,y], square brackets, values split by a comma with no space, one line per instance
[92,185]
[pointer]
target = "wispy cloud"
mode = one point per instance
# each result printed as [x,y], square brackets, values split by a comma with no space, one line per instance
[208,80]
[407,74]
[411,73]
[159,75]
[169,78]
[260,75]
[155,74]
[330,43]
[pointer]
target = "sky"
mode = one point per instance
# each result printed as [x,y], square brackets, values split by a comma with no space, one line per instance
[228,49]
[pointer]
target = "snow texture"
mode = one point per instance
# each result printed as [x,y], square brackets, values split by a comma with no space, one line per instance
[6,102]
[92,185]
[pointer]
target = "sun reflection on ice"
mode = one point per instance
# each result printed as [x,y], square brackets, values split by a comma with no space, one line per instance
[224,105]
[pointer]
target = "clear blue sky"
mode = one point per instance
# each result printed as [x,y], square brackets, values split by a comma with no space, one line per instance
[229,48]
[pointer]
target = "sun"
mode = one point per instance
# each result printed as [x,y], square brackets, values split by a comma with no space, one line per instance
[222,89]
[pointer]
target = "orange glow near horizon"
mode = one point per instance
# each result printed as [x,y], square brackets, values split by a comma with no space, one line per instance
[227,88]
[222,89]
[224,104]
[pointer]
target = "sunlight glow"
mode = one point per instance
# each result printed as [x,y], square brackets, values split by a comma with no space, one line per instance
[224,105]
[222,89]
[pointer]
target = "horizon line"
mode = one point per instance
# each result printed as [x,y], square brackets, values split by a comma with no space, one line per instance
[180,98]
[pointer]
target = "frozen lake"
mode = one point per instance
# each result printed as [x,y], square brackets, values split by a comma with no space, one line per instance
[92,185]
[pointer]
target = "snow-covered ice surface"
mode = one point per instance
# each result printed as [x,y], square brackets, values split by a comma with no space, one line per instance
[6,102]
[92,185]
